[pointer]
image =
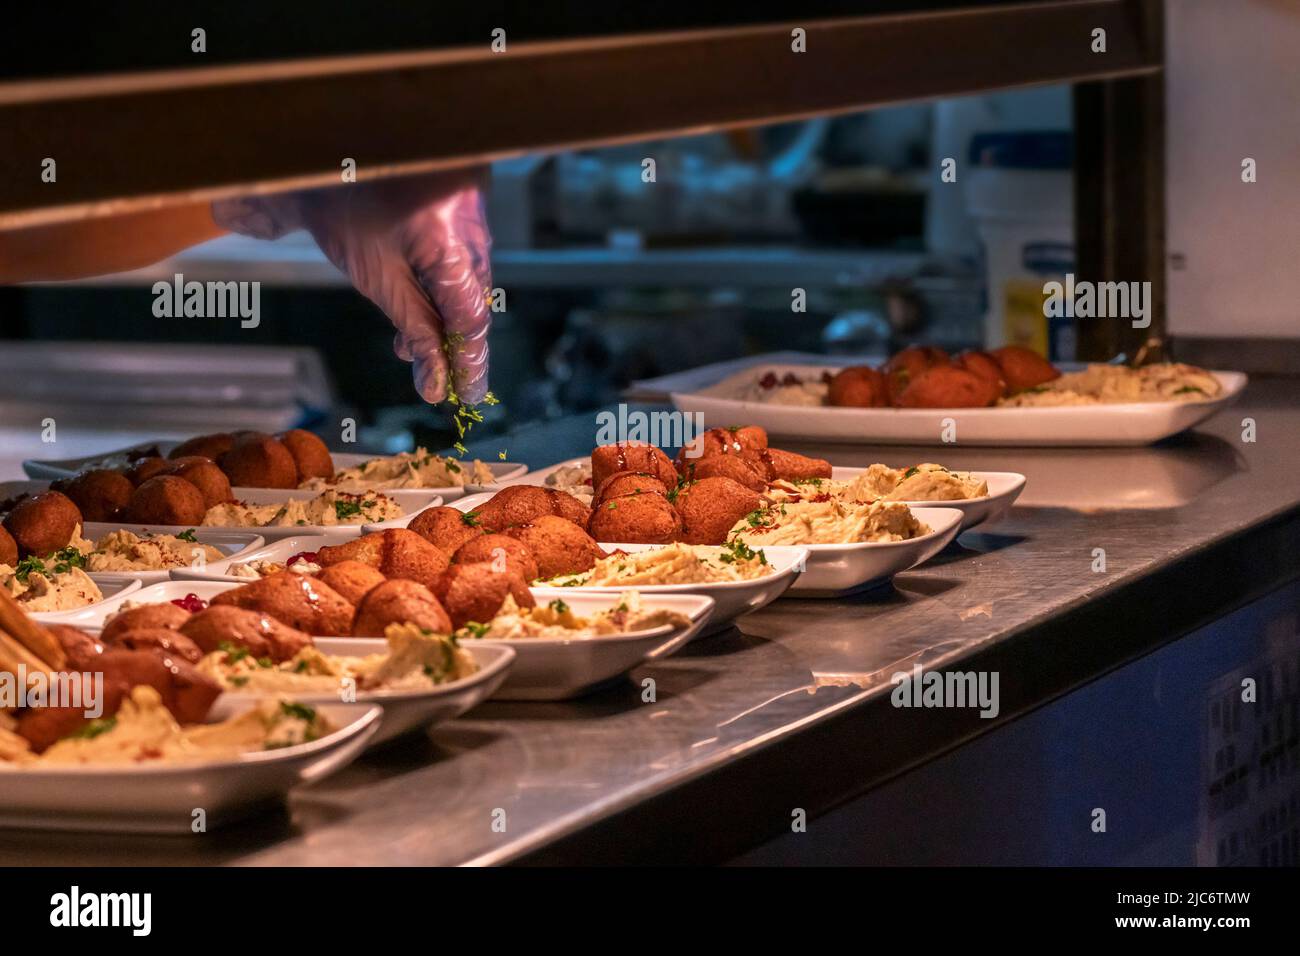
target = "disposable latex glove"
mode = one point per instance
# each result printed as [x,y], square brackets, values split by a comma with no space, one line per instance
[415,246]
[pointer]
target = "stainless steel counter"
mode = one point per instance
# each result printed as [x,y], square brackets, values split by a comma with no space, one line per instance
[791,710]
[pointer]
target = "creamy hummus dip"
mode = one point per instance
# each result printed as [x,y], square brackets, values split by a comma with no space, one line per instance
[672,564]
[55,584]
[410,469]
[557,619]
[264,569]
[827,522]
[574,480]
[144,731]
[770,386]
[125,551]
[330,508]
[416,660]
[1112,384]
[924,482]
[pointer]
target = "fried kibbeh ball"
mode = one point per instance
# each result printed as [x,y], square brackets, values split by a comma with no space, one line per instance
[947,386]
[501,551]
[149,617]
[81,649]
[709,507]
[99,494]
[204,475]
[858,386]
[8,548]
[475,592]
[311,456]
[627,483]
[985,366]
[396,553]
[203,446]
[448,528]
[43,524]
[636,519]
[559,546]
[259,461]
[258,632]
[164,640]
[297,600]
[144,469]
[352,579]
[167,499]
[750,472]
[791,466]
[1023,368]
[631,456]
[745,441]
[400,602]
[903,367]
[520,504]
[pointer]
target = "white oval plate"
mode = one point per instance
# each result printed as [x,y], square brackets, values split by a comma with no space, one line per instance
[838,569]
[406,710]
[94,616]
[162,799]
[409,498]
[277,551]
[560,668]
[229,541]
[115,588]
[731,598]
[1138,423]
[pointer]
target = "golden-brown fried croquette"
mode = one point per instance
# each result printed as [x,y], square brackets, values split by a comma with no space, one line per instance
[164,640]
[475,592]
[8,548]
[310,454]
[559,546]
[396,553]
[791,466]
[519,504]
[144,469]
[203,446]
[627,483]
[43,524]
[145,617]
[635,519]
[946,386]
[448,528]
[298,600]
[1023,368]
[166,499]
[750,472]
[258,632]
[352,579]
[99,494]
[858,387]
[81,649]
[204,475]
[259,461]
[985,366]
[630,456]
[501,551]
[400,602]
[904,367]
[710,507]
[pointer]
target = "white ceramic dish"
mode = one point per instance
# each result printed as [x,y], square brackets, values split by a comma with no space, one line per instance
[275,551]
[336,532]
[1004,489]
[731,598]
[837,569]
[164,798]
[94,616]
[49,469]
[558,669]
[1081,425]
[404,711]
[115,589]
[230,542]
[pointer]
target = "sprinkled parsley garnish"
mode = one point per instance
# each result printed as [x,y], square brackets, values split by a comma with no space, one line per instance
[188,535]
[559,607]
[301,711]
[346,509]
[470,518]
[100,725]
[476,629]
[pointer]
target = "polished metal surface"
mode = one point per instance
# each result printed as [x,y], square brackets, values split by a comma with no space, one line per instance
[512,779]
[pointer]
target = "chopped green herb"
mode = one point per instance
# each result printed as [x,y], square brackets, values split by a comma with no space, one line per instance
[559,607]
[470,518]
[188,535]
[234,652]
[301,711]
[346,509]
[477,629]
[92,729]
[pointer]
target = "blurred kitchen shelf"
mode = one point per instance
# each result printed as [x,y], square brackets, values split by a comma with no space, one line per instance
[295,260]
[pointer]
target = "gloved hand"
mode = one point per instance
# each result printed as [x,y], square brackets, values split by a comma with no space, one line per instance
[415,246]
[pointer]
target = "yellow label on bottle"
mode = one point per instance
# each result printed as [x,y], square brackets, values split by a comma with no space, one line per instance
[1023,320]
